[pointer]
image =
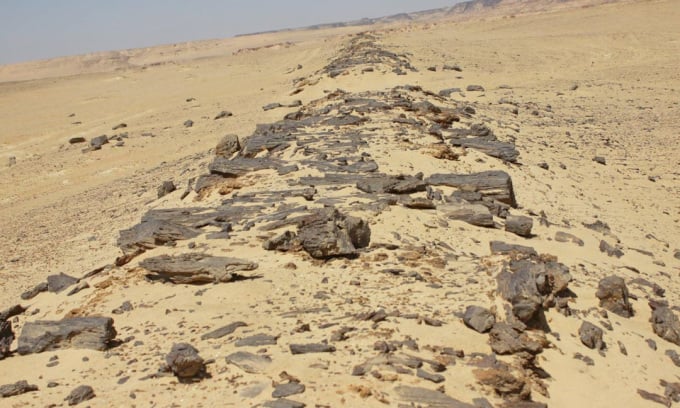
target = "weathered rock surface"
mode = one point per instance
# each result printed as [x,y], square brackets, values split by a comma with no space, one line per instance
[494,184]
[288,389]
[184,361]
[77,332]
[328,233]
[666,324]
[591,336]
[499,247]
[610,250]
[479,319]
[193,268]
[508,339]
[284,403]
[561,236]
[613,294]
[80,394]
[257,340]
[18,388]
[249,362]
[474,214]
[428,398]
[311,348]
[391,184]
[166,188]
[227,146]
[519,225]
[6,338]
[223,331]
[57,283]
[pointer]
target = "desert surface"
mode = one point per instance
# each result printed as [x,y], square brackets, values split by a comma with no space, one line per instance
[464,210]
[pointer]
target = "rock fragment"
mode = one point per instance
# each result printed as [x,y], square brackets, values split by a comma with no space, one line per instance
[591,336]
[666,324]
[519,225]
[227,146]
[311,348]
[223,331]
[166,188]
[18,388]
[249,362]
[80,394]
[57,283]
[195,268]
[76,332]
[479,319]
[613,294]
[222,115]
[288,389]
[185,362]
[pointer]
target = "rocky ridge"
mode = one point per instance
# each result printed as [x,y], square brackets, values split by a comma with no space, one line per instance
[315,193]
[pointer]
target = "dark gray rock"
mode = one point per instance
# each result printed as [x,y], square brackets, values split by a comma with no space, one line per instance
[18,388]
[519,225]
[249,362]
[227,146]
[99,141]
[271,106]
[435,378]
[479,319]
[283,242]
[80,394]
[223,114]
[494,184]
[149,234]
[10,312]
[474,214]
[166,188]
[507,339]
[239,166]
[6,338]
[418,203]
[77,139]
[609,249]
[57,283]
[428,398]
[561,236]
[613,294]
[666,324]
[600,160]
[286,390]
[591,336]
[391,184]
[119,126]
[257,340]
[76,332]
[499,247]
[490,146]
[328,233]
[125,307]
[311,348]
[185,362]
[37,289]
[188,123]
[284,403]
[195,268]
[223,331]
[474,88]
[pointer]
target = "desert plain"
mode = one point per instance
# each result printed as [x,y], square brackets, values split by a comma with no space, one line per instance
[352,191]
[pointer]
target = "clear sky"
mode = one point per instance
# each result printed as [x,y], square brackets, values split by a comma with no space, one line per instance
[37,29]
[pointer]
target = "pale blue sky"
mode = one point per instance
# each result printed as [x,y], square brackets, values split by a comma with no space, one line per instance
[37,29]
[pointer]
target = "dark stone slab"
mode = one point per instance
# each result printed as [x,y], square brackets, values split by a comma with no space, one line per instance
[77,332]
[311,348]
[239,166]
[257,340]
[57,283]
[33,292]
[428,398]
[284,403]
[288,389]
[519,225]
[498,247]
[195,268]
[18,388]
[507,339]
[223,331]
[328,233]
[494,184]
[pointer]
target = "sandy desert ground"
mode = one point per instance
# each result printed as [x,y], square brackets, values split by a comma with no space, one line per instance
[385,319]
